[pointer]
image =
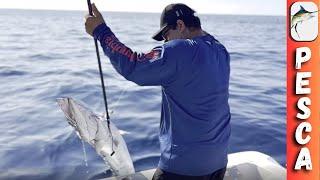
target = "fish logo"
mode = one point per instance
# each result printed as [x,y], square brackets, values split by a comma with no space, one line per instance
[304,21]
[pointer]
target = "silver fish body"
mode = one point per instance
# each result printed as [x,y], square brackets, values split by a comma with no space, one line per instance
[93,129]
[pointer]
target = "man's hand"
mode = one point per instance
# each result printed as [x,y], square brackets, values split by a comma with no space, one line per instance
[91,22]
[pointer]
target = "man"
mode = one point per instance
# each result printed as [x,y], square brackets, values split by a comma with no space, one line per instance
[193,69]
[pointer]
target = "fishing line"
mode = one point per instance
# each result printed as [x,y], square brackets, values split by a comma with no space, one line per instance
[115,104]
[102,81]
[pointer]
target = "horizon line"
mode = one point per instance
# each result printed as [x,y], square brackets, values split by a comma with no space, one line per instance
[137,12]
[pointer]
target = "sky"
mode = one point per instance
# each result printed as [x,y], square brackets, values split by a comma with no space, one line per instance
[242,7]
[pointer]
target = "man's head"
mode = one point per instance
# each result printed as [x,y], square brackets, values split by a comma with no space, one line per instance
[178,21]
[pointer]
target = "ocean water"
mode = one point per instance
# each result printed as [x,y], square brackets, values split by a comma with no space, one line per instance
[47,54]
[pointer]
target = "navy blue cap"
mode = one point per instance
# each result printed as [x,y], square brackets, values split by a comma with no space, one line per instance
[170,15]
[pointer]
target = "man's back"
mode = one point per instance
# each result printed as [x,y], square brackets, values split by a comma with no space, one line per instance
[194,127]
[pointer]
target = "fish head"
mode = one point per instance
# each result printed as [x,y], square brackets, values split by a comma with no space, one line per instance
[113,150]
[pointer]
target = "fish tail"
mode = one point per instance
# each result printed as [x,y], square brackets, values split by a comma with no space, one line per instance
[295,28]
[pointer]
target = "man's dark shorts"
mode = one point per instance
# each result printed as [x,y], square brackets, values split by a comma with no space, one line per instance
[163,175]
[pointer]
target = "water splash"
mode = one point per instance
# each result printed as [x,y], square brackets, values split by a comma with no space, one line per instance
[85,156]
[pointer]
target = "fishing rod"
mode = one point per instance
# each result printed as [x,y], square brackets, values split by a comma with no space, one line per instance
[102,81]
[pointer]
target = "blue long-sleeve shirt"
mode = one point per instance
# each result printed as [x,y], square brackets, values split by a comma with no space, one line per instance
[195,115]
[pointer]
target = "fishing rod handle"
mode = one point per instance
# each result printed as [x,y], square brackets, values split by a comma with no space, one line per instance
[89,7]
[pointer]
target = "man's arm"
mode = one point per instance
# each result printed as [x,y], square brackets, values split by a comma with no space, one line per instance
[152,68]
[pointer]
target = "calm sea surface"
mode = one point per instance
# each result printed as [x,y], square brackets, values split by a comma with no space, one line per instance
[47,54]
